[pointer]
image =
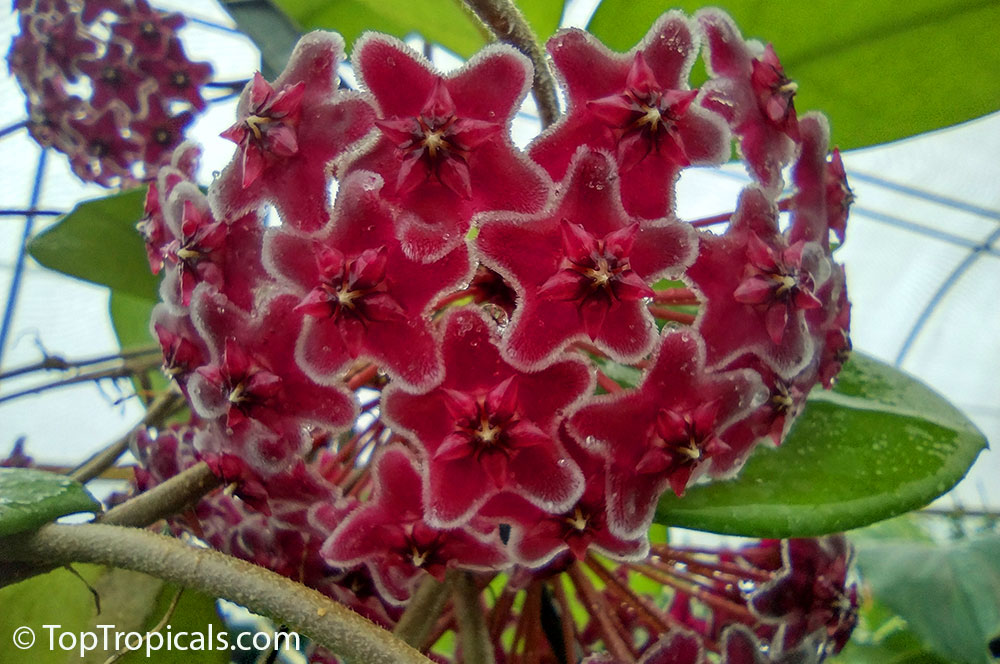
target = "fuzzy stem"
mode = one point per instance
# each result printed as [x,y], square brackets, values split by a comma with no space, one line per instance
[664,313]
[507,22]
[713,220]
[602,613]
[215,574]
[646,612]
[475,638]
[165,499]
[533,620]
[607,383]
[676,296]
[692,589]
[501,612]
[362,377]
[422,611]
[566,620]
[158,411]
[666,552]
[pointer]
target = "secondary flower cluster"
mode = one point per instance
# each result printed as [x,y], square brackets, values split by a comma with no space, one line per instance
[107,83]
[415,374]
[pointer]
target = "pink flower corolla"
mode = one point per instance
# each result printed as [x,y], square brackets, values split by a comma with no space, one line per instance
[203,249]
[822,197]
[113,78]
[289,133]
[582,267]
[637,106]
[149,32]
[105,153]
[811,592]
[757,289]
[665,432]
[390,534]
[177,77]
[252,388]
[136,70]
[442,145]
[538,536]
[749,88]
[362,295]
[488,427]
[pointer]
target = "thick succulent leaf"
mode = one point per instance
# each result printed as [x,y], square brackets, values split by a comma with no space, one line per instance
[879,444]
[97,242]
[949,595]
[880,71]
[31,498]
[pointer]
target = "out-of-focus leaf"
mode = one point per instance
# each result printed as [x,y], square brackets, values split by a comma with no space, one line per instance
[880,444]
[441,21]
[193,614]
[882,637]
[880,71]
[948,594]
[55,598]
[543,15]
[30,498]
[97,242]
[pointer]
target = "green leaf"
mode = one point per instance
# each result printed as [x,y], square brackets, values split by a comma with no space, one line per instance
[949,595]
[55,598]
[880,71]
[441,21]
[543,16]
[130,316]
[31,498]
[879,444]
[193,614]
[882,637]
[97,242]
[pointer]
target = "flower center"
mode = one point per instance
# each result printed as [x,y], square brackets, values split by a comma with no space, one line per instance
[434,140]
[255,122]
[578,521]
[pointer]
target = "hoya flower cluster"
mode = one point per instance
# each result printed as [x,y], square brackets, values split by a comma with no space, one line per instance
[108,84]
[415,374]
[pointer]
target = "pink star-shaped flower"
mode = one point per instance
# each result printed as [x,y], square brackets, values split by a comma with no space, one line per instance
[178,77]
[822,196]
[537,536]
[488,427]
[391,536]
[638,106]
[360,292]
[665,432]
[443,145]
[811,592]
[288,134]
[252,384]
[204,250]
[757,289]
[749,88]
[582,267]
